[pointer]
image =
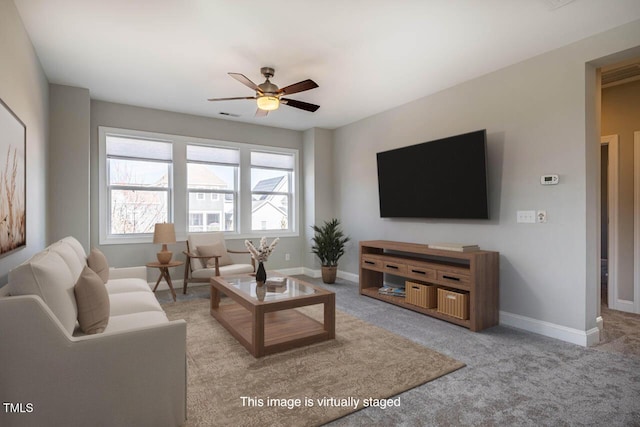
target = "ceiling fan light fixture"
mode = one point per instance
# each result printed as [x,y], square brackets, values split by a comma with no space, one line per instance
[268,103]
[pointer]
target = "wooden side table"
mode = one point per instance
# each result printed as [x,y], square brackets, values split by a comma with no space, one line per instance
[164,273]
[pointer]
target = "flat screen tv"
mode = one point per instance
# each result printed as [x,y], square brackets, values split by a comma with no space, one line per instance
[445,178]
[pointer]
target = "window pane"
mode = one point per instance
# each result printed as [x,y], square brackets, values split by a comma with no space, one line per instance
[137,211]
[269,180]
[270,213]
[211,214]
[213,177]
[203,153]
[138,173]
[272,160]
[140,148]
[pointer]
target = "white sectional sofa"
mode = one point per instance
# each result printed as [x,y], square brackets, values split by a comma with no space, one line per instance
[132,374]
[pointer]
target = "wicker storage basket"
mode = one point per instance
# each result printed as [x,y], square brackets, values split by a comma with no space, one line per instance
[452,303]
[425,296]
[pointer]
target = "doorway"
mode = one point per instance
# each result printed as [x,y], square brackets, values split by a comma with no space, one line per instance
[620,186]
[609,220]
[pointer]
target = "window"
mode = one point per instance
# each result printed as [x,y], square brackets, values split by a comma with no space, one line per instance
[213,170]
[213,221]
[246,191]
[139,185]
[195,221]
[271,190]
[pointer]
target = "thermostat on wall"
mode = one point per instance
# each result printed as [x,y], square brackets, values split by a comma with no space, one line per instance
[549,179]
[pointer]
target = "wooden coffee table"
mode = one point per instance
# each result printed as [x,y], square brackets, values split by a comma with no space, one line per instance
[272,325]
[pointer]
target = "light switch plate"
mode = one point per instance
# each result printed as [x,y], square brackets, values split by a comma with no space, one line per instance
[526,217]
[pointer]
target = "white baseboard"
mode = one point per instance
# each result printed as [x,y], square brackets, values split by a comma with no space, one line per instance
[348,276]
[177,285]
[341,274]
[551,330]
[311,272]
[599,323]
[623,305]
[290,271]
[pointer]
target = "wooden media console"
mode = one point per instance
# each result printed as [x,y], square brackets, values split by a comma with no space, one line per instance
[475,274]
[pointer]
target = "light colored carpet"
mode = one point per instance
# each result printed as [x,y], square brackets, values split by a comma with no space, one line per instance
[621,333]
[363,362]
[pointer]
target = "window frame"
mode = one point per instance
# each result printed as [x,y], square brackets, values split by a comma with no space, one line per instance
[105,188]
[178,210]
[217,191]
[291,178]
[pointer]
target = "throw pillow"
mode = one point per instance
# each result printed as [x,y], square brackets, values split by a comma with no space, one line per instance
[98,263]
[218,249]
[93,302]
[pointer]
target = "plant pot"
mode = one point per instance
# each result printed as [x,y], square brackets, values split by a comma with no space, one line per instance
[329,273]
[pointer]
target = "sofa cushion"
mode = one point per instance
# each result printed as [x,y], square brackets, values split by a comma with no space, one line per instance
[205,273]
[47,276]
[98,263]
[70,257]
[203,239]
[127,322]
[118,286]
[77,247]
[133,302]
[93,302]
[217,249]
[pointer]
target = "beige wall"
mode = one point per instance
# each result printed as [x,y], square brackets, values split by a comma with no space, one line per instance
[69,158]
[24,88]
[621,116]
[318,184]
[540,117]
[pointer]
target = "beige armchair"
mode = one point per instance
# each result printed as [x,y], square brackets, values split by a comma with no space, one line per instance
[208,256]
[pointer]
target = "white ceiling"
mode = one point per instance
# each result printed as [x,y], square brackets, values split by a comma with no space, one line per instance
[367,56]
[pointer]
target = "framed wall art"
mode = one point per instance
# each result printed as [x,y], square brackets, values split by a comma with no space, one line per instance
[13,173]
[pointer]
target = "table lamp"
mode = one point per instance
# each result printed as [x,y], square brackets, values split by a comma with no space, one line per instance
[164,233]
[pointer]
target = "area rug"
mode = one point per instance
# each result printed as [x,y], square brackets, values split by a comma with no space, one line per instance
[364,366]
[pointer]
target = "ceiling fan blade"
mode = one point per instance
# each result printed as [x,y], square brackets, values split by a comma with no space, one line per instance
[261,113]
[231,99]
[299,104]
[245,81]
[298,87]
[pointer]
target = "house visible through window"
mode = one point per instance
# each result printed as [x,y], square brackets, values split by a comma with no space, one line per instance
[271,190]
[214,171]
[139,184]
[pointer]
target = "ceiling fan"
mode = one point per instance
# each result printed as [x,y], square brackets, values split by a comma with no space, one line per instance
[269,97]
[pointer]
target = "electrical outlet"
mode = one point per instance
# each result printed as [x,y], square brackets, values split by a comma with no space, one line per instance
[526,217]
[542,216]
[287,257]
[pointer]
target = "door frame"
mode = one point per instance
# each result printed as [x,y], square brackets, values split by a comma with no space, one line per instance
[636,221]
[613,182]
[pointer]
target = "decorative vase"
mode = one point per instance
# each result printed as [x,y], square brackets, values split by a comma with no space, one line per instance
[261,274]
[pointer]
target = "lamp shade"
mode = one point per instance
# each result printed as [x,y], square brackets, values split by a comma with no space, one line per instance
[164,233]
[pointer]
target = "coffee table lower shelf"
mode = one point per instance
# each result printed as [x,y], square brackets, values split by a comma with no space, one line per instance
[283,330]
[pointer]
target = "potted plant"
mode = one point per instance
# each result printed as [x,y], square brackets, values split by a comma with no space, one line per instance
[328,245]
